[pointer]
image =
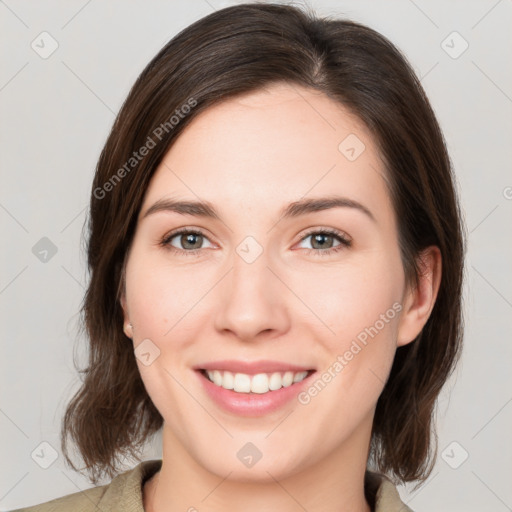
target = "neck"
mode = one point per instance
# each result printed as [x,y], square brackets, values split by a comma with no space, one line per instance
[334,483]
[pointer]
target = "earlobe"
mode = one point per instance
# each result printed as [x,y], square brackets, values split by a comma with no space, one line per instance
[420,300]
[128,330]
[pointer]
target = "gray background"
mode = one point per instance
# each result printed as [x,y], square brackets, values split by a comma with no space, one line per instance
[55,115]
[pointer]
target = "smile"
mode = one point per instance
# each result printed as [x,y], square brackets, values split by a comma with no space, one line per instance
[256,394]
[260,383]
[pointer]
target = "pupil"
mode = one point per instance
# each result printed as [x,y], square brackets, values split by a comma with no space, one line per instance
[189,239]
[319,237]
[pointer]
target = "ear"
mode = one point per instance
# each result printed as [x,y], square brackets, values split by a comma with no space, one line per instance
[127,326]
[419,300]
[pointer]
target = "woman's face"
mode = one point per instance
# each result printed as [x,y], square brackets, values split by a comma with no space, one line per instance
[260,283]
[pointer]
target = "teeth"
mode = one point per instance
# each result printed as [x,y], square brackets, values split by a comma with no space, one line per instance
[259,383]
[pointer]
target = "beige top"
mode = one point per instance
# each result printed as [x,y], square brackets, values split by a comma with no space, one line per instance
[124,493]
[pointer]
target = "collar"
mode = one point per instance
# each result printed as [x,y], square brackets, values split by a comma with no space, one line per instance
[125,490]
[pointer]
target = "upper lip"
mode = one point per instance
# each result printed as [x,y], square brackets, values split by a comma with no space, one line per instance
[251,367]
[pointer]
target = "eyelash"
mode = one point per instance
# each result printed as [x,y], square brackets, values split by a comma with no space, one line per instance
[342,238]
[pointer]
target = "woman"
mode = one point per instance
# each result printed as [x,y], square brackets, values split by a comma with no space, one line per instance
[276,259]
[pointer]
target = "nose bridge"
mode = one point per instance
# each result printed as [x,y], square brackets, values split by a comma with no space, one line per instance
[250,267]
[252,300]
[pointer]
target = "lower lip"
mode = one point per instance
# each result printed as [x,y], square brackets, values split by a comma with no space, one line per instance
[251,404]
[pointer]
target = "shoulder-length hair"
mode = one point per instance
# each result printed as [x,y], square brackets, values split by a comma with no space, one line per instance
[233,51]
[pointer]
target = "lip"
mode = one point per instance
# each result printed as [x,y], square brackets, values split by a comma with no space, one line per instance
[252,367]
[251,404]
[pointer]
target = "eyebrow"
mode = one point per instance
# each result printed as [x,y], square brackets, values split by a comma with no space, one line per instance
[292,210]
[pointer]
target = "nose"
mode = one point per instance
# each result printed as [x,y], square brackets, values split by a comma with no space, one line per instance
[251,301]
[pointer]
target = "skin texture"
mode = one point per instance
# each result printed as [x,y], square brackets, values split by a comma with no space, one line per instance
[250,156]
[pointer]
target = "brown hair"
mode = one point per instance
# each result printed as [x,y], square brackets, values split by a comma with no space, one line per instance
[234,51]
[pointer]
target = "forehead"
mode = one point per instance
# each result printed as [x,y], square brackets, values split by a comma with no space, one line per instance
[273,145]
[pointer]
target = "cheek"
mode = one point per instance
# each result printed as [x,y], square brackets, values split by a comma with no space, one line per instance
[159,296]
[161,303]
[357,312]
[349,299]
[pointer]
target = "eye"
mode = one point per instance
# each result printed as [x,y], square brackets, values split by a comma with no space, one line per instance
[322,241]
[189,241]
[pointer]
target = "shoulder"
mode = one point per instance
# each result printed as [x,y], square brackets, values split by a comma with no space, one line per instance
[124,492]
[384,494]
[83,501]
